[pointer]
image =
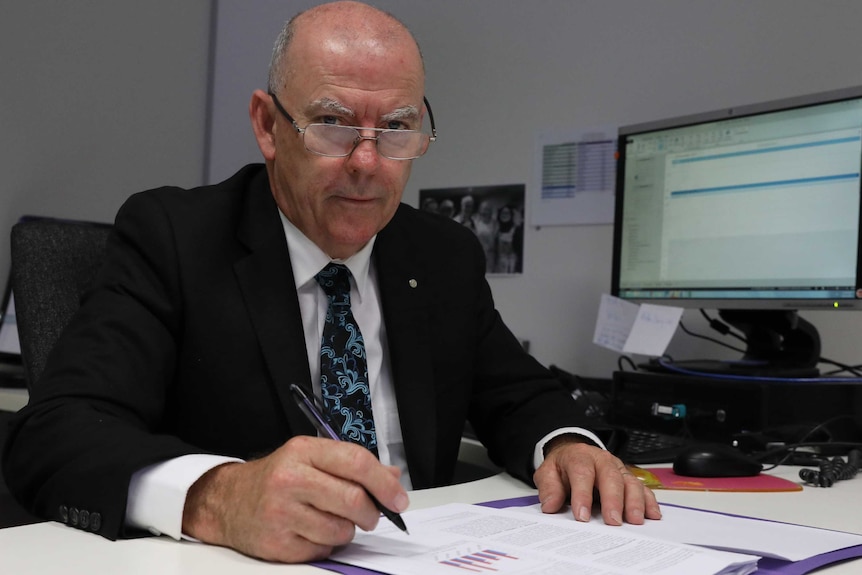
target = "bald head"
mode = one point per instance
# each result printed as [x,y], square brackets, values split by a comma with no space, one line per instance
[340,27]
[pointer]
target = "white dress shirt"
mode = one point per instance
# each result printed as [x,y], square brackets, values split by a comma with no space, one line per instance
[157,493]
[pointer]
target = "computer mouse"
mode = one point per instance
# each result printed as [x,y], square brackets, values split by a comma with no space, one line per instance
[715,460]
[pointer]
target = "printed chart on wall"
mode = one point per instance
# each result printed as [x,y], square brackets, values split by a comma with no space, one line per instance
[575,175]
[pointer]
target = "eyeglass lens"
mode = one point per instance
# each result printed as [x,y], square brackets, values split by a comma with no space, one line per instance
[335,140]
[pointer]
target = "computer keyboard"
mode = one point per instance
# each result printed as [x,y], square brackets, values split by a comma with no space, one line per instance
[643,447]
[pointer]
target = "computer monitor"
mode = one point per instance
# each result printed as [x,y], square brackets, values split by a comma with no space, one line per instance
[753,211]
[11,367]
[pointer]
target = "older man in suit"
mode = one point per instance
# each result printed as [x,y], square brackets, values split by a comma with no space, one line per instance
[166,407]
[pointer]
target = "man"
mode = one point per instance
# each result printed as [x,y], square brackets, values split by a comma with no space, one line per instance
[165,405]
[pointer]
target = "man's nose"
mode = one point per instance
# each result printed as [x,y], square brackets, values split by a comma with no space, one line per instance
[364,155]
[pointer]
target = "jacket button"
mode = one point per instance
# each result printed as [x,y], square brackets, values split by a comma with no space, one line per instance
[95,521]
[85,518]
[73,516]
[64,513]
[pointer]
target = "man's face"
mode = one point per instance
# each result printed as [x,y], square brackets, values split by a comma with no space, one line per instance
[340,203]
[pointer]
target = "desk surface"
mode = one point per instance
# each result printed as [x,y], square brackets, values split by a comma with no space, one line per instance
[48,548]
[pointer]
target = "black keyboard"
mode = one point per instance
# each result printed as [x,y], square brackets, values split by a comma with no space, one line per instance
[644,447]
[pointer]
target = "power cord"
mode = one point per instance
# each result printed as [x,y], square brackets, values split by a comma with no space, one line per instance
[832,470]
[794,457]
[725,329]
[626,359]
[669,366]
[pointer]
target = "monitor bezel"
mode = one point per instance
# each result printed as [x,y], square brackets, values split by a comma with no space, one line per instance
[820,98]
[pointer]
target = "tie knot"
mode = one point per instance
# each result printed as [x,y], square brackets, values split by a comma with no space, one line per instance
[334,279]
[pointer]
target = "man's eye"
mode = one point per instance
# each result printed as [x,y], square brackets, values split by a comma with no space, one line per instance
[328,120]
[397,125]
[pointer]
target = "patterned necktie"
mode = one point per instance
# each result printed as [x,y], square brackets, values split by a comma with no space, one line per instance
[343,368]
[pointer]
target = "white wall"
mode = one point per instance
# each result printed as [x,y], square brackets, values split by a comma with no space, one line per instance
[101,98]
[499,71]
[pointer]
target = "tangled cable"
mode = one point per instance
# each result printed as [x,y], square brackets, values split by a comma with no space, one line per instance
[832,470]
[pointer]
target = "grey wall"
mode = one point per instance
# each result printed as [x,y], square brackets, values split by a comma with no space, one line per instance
[99,99]
[500,71]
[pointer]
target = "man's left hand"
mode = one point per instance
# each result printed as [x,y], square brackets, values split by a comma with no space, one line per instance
[573,470]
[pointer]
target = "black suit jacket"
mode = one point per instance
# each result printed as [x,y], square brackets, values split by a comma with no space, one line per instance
[192,334]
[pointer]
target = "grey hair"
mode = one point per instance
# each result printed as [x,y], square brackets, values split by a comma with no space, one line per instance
[278,52]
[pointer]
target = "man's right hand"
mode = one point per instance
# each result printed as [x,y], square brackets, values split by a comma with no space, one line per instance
[294,505]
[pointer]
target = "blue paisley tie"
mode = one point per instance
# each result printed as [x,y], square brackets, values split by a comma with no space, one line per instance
[343,369]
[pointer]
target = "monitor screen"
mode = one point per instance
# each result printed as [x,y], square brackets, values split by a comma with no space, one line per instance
[9,344]
[10,347]
[748,208]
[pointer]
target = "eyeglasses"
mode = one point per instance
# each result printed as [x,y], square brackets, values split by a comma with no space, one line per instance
[337,141]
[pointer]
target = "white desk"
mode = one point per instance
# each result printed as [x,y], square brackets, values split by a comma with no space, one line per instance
[49,548]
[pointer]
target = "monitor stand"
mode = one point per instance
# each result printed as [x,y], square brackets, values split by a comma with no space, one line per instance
[779,344]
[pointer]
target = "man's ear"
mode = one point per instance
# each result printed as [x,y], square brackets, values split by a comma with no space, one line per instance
[261,112]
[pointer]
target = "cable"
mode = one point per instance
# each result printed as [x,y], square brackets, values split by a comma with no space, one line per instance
[722,328]
[832,470]
[628,360]
[735,377]
[791,449]
[707,338]
[725,329]
[848,368]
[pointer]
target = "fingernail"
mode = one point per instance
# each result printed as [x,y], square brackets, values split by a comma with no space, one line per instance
[616,518]
[402,502]
[583,513]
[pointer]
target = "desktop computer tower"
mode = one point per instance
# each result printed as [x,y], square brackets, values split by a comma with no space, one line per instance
[752,413]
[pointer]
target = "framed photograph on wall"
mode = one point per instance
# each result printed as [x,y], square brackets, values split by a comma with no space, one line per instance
[494,213]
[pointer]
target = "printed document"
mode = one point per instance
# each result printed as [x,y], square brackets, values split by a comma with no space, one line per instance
[459,539]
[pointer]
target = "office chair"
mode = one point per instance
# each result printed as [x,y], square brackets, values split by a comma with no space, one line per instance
[54,261]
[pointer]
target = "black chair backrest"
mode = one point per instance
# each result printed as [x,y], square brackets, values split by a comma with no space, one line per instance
[53,263]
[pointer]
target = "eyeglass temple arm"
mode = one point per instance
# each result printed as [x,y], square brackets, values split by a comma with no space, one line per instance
[431,118]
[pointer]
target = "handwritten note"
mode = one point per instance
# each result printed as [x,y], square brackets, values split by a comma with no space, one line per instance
[626,327]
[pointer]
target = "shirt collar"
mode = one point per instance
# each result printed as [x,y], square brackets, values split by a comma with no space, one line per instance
[307,258]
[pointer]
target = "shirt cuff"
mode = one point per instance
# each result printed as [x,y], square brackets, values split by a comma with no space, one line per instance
[157,494]
[539,452]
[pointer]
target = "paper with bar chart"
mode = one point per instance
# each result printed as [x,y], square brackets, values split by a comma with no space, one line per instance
[462,539]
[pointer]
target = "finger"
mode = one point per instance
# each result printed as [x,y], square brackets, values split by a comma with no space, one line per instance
[611,486]
[652,508]
[337,497]
[353,475]
[300,498]
[620,489]
[310,536]
[634,497]
[552,487]
[253,508]
[582,479]
[568,472]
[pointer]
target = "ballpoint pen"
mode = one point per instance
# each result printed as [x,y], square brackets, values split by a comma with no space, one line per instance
[309,408]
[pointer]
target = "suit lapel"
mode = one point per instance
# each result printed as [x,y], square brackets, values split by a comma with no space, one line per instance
[406,315]
[265,277]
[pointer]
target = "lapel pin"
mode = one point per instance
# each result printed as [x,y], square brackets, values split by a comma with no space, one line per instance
[413,283]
